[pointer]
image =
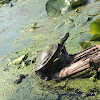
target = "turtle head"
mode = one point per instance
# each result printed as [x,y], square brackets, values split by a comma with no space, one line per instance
[64,38]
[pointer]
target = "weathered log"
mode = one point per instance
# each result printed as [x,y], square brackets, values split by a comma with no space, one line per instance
[81,61]
[74,65]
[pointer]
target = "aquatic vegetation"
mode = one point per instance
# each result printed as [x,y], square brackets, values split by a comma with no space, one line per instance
[18,60]
[95,31]
[32,86]
[5,1]
[94,11]
[95,27]
[78,3]
[96,37]
[58,7]
[11,2]
[84,45]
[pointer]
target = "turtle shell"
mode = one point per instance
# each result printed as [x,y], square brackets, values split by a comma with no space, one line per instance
[46,57]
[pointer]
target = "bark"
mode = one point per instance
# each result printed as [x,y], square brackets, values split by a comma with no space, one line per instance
[81,62]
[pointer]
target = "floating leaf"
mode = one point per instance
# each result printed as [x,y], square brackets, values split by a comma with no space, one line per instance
[96,37]
[84,45]
[94,11]
[95,27]
[78,3]
[18,60]
[56,7]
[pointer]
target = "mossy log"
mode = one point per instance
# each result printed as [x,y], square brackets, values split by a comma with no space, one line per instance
[82,62]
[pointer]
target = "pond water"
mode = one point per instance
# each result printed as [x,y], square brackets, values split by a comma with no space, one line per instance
[14,18]
[13,44]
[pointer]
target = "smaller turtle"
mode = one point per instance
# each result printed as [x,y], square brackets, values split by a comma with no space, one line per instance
[20,77]
[47,57]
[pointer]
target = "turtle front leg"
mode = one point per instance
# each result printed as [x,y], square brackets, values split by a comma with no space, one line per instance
[64,56]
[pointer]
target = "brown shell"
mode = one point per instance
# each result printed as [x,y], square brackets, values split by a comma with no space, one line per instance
[47,57]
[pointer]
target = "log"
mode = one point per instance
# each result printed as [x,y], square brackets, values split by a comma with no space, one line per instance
[81,61]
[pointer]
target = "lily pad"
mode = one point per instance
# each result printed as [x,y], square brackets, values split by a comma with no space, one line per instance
[96,37]
[56,7]
[84,45]
[94,11]
[95,27]
[78,3]
[81,18]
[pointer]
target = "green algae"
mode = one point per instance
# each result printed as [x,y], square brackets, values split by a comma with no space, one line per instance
[32,87]
[4,2]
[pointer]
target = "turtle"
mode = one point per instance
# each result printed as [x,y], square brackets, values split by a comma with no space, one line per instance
[47,57]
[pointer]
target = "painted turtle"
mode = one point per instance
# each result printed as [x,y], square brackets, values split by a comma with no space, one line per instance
[47,57]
